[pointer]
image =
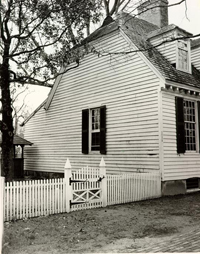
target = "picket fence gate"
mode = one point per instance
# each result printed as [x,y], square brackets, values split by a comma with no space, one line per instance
[83,189]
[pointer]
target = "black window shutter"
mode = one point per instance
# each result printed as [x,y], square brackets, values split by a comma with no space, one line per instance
[103,130]
[180,128]
[198,126]
[85,131]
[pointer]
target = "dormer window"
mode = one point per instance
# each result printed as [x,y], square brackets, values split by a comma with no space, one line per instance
[183,55]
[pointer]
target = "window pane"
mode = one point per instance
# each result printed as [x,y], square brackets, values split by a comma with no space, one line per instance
[95,119]
[183,59]
[95,146]
[95,129]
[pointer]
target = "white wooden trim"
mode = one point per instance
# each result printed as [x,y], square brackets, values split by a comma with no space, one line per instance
[95,105]
[160,122]
[151,66]
[53,90]
[179,85]
[90,129]
[196,127]
[186,96]
[189,55]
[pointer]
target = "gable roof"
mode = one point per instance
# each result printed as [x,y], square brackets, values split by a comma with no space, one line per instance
[140,26]
[139,37]
[138,31]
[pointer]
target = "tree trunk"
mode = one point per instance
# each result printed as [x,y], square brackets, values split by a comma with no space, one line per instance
[7,123]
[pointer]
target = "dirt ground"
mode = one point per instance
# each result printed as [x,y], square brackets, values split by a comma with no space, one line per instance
[114,229]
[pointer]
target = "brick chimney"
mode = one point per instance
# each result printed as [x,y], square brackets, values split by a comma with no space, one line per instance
[154,11]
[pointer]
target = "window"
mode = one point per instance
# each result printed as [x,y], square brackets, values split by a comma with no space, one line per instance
[94,130]
[190,125]
[186,124]
[183,55]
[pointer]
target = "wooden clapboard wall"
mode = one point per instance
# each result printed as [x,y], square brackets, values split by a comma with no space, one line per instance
[128,88]
[176,164]
[195,57]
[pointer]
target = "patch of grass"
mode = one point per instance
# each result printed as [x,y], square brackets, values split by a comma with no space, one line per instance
[159,231]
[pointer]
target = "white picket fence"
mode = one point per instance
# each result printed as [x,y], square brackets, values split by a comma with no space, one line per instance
[83,189]
[25,199]
[127,188]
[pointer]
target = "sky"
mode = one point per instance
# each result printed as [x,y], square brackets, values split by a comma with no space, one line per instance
[186,17]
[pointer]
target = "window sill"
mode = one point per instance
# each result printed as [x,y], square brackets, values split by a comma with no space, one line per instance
[184,70]
[94,152]
[188,153]
[191,152]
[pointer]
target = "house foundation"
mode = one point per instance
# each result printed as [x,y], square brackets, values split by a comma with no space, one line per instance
[170,188]
[29,174]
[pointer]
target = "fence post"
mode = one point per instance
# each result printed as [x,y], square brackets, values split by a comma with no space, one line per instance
[2,207]
[102,167]
[67,177]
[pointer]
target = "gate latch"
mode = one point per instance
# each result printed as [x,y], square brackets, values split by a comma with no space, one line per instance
[100,178]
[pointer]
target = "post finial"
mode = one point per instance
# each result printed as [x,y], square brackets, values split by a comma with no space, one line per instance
[67,164]
[102,163]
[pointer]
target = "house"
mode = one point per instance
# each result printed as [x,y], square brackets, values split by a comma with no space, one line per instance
[135,100]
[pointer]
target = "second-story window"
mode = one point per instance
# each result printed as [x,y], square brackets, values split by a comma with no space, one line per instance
[183,54]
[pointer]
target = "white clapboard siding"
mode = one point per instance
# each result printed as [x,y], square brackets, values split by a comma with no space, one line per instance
[195,57]
[176,166]
[168,49]
[128,88]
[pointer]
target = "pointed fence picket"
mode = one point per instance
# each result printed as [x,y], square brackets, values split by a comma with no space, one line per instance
[83,189]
